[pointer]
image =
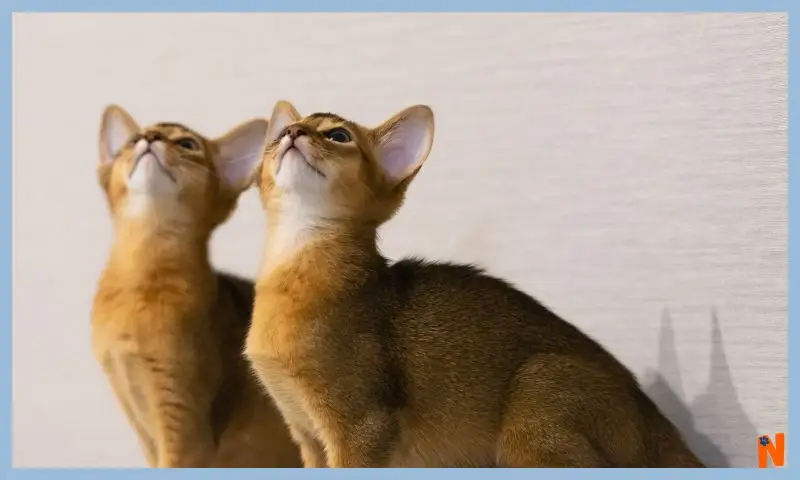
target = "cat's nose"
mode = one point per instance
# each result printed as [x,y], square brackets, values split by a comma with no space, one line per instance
[153,137]
[295,131]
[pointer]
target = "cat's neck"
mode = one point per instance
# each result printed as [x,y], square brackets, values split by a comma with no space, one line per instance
[299,240]
[156,251]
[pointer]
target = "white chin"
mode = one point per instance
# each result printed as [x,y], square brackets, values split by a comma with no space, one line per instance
[149,178]
[150,190]
[294,173]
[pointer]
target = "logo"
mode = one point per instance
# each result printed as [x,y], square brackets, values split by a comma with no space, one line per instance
[769,449]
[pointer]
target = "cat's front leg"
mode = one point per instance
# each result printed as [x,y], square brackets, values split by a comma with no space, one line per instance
[177,407]
[195,455]
[119,387]
[185,436]
[162,400]
[311,451]
[365,442]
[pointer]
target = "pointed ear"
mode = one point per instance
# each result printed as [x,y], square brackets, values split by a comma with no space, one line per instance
[283,115]
[404,142]
[116,129]
[240,153]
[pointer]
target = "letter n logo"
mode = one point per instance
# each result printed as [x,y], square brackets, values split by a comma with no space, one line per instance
[776,450]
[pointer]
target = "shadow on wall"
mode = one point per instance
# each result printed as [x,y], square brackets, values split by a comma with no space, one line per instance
[716,410]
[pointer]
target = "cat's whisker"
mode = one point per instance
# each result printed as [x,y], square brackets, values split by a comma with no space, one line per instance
[370,191]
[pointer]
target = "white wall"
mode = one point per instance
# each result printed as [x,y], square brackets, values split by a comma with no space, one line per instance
[627,170]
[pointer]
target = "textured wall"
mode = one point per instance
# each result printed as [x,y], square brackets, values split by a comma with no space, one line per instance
[627,170]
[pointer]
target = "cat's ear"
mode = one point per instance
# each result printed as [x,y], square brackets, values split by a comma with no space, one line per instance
[116,129]
[283,115]
[239,153]
[404,142]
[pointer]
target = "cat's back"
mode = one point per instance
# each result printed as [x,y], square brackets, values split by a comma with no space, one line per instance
[461,340]
[481,326]
[470,305]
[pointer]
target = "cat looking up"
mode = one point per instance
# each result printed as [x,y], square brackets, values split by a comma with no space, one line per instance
[167,329]
[418,364]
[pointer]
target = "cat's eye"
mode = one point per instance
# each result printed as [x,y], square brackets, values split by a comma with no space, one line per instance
[338,135]
[188,143]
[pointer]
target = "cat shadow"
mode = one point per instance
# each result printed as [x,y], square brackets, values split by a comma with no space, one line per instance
[716,410]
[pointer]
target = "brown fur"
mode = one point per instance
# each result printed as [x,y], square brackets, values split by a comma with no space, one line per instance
[167,329]
[415,363]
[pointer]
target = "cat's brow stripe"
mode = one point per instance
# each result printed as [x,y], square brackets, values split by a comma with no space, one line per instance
[329,116]
[171,125]
[177,126]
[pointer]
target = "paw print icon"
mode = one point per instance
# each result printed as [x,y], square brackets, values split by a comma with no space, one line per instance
[764,441]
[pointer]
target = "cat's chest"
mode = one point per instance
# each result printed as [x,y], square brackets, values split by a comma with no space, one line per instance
[284,360]
[289,325]
[285,346]
[122,303]
[135,322]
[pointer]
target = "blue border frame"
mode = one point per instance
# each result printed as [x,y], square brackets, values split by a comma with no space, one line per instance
[10,7]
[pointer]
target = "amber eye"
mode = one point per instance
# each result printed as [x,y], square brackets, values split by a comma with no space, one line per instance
[187,143]
[338,135]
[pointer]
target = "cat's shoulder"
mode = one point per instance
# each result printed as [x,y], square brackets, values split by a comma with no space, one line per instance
[416,266]
[414,269]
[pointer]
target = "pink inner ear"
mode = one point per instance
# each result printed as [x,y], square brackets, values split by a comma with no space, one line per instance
[237,170]
[239,162]
[279,121]
[239,156]
[396,159]
[404,149]
[116,136]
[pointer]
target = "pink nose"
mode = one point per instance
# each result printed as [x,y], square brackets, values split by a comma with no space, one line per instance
[295,131]
[153,136]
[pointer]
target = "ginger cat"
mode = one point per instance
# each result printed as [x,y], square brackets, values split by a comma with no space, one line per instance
[167,329]
[418,364]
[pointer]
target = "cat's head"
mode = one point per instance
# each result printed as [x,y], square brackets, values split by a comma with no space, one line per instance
[168,173]
[327,167]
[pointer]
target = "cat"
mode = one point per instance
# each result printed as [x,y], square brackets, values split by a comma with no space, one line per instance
[166,328]
[418,364]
